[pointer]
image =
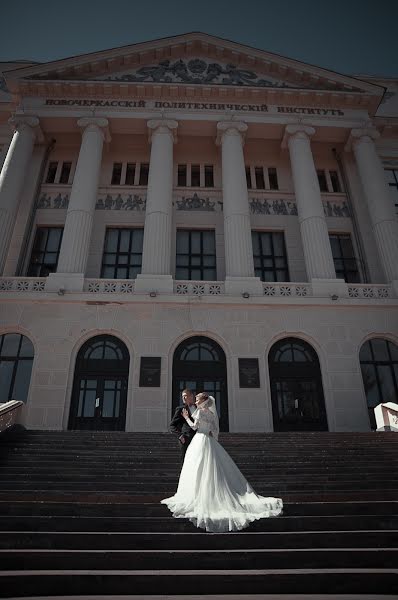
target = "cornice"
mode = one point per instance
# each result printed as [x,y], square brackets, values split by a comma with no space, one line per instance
[196,93]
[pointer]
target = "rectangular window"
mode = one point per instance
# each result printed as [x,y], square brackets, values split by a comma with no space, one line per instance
[392,181]
[122,258]
[335,181]
[209,176]
[144,172]
[195,175]
[260,181]
[52,171]
[273,178]
[269,254]
[182,175]
[322,181]
[45,252]
[196,255]
[65,172]
[130,174]
[248,178]
[116,174]
[345,263]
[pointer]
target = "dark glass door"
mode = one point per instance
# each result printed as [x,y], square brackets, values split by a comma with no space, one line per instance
[296,405]
[99,404]
[99,395]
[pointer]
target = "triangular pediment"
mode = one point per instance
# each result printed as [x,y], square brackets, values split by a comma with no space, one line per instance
[190,59]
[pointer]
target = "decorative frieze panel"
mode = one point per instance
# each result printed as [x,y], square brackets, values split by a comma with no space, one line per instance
[126,201]
[287,206]
[369,291]
[53,200]
[202,71]
[196,203]
[272,206]
[22,284]
[199,288]
[336,208]
[109,286]
[287,289]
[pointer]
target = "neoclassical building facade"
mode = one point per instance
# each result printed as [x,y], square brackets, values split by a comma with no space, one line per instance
[192,212]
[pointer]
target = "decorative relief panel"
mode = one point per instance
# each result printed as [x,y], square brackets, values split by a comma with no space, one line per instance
[55,200]
[266,206]
[202,71]
[196,203]
[121,202]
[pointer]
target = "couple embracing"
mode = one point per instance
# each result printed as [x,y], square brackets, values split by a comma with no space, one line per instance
[212,492]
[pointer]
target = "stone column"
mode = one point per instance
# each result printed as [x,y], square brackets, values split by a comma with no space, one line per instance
[313,228]
[237,228]
[79,218]
[156,255]
[12,177]
[381,208]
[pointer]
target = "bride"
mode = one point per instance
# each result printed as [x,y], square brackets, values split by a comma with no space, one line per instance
[212,492]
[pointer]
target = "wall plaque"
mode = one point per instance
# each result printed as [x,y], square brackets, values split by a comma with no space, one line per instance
[150,371]
[249,375]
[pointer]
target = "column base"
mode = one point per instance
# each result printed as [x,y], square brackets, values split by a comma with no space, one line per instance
[329,288]
[160,284]
[65,282]
[236,286]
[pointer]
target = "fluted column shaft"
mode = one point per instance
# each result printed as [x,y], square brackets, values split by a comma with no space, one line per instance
[156,255]
[12,178]
[381,208]
[237,227]
[79,218]
[314,232]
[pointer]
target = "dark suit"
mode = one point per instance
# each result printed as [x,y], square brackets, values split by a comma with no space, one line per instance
[179,427]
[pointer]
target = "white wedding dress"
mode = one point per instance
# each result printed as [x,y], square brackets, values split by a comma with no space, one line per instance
[212,492]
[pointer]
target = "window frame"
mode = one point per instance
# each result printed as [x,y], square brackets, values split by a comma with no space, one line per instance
[201,266]
[117,264]
[263,257]
[16,359]
[344,271]
[30,266]
[394,170]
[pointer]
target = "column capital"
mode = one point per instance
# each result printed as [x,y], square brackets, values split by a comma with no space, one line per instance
[168,126]
[362,134]
[298,131]
[28,123]
[238,128]
[95,124]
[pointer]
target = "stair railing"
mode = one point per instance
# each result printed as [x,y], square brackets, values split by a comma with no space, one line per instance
[10,414]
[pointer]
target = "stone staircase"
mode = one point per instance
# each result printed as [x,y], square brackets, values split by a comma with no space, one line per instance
[80,516]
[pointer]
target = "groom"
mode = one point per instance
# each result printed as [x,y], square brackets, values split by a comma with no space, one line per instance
[178,424]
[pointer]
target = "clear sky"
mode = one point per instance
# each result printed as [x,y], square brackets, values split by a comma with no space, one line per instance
[348,36]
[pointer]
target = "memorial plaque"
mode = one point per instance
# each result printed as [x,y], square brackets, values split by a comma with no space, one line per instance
[150,371]
[249,375]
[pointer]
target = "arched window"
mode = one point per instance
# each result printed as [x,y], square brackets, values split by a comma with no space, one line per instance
[16,359]
[296,387]
[379,366]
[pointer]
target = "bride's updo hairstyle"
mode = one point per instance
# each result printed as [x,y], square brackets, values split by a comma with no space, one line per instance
[203,396]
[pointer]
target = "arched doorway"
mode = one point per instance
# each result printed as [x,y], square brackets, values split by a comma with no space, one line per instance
[99,393]
[379,366]
[296,387]
[199,364]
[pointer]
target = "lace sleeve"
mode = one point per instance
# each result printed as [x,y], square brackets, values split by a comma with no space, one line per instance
[195,423]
